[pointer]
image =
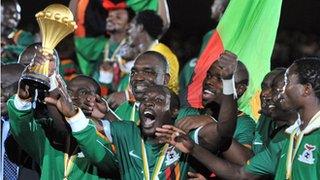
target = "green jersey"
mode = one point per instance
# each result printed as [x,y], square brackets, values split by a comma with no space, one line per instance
[300,156]
[128,111]
[131,154]
[244,132]
[31,137]
[264,125]
[265,162]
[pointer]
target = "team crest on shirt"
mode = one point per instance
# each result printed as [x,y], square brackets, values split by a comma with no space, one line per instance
[171,156]
[307,155]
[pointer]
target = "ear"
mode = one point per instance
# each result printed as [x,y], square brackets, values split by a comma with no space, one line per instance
[308,90]
[140,28]
[241,88]
[175,113]
[166,78]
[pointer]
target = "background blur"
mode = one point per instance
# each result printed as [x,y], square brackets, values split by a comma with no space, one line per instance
[298,33]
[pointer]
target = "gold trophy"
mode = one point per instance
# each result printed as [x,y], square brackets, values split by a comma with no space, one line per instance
[56,21]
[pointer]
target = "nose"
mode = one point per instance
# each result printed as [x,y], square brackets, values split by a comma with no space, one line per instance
[149,103]
[266,94]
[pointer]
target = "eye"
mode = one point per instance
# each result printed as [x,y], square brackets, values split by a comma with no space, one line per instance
[149,73]
[159,100]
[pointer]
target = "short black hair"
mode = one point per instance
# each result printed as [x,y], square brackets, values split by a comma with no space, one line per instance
[241,74]
[272,75]
[308,70]
[89,80]
[158,56]
[151,21]
[131,13]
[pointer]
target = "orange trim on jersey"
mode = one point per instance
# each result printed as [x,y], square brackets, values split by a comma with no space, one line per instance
[177,171]
[107,140]
[16,36]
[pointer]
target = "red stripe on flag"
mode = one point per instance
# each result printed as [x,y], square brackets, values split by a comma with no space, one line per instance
[210,54]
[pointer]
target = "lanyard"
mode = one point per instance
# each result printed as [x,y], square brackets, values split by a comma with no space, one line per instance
[158,164]
[106,52]
[292,151]
[68,161]
[68,165]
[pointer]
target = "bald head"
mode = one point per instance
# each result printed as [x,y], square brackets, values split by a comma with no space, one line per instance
[156,57]
[82,79]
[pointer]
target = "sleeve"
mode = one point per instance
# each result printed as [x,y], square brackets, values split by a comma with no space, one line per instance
[186,111]
[245,129]
[29,134]
[96,147]
[262,164]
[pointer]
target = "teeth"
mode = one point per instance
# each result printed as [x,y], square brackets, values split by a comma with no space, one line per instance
[272,106]
[147,113]
[209,92]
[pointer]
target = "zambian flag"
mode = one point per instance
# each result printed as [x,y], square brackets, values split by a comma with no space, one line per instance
[248,28]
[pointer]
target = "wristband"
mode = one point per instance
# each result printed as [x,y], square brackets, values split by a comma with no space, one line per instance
[229,87]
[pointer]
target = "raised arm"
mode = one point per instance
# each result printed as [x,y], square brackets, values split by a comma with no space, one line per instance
[96,147]
[26,131]
[163,11]
[214,132]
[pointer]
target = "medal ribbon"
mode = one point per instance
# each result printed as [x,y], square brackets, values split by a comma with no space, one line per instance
[158,164]
[68,165]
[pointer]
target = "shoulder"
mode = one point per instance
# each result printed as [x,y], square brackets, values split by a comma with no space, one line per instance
[246,119]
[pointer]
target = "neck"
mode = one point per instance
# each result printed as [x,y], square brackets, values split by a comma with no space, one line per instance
[117,36]
[288,119]
[151,140]
[145,42]
[308,111]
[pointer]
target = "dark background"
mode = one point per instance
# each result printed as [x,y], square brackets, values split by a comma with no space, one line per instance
[190,20]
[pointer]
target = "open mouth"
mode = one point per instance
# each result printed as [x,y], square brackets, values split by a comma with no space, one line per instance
[208,92]
[149,119]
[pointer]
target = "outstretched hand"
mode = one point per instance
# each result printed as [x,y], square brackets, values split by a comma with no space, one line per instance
[100,108]
[176,137]
[63,102]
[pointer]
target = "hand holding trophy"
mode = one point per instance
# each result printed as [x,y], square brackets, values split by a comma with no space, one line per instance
[56,21]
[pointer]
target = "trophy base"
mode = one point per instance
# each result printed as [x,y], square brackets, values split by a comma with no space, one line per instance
[36,81]
[39,85]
